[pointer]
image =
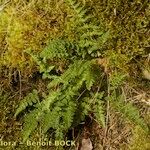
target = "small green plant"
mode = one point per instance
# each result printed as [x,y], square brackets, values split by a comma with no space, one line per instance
[117,100]
[75,92]
[58,108]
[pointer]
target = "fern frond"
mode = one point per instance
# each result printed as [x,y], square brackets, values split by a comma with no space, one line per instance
[99,111]
[128,111]
[29,100]
[51,119]
[91,37]
[69,114]
[79,69]
[85,107]
[30,124]
[55,49]
[59,107]
[79,9]
[60,113]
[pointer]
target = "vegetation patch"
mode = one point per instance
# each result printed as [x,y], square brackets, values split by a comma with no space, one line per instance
[69,67]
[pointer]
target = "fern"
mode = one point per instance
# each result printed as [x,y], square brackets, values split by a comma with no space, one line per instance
[42,64]
[89,41]
[73,72]
[98,109]
[85,107]
[56,49]
[129,111]
[30,123]
[116,98]
[92,103]
[79,9]
[29,100]
[58,108]
[91,37]
[65,103]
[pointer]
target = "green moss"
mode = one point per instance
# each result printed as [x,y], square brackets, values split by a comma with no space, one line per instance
[140,140]
[27,25]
